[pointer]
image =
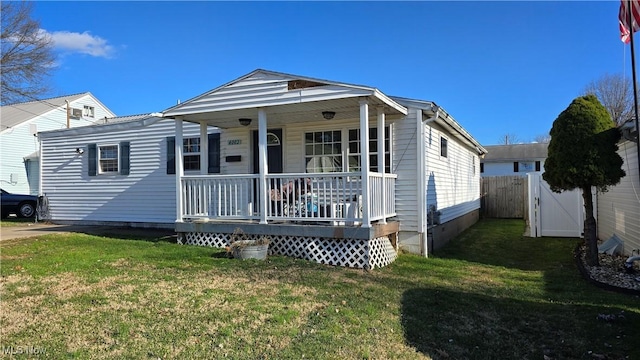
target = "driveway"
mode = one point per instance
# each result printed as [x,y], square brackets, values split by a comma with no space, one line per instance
[39,229]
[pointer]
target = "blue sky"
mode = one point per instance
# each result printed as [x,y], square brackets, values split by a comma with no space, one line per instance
[496,67]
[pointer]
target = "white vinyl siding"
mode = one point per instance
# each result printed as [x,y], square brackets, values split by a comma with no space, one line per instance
[405,162]
[619,208]
[452,185]
[264,90]
[236,142]
[146,195]
[506,168]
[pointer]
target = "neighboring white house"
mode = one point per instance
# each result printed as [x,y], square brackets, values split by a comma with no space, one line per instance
[619,208]
[516,159]
[20,123]
[281,132]
[119,172]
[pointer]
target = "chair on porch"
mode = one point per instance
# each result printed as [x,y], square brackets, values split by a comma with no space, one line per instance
[284,198]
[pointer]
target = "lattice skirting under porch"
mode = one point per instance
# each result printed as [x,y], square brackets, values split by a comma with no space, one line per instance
[357,253]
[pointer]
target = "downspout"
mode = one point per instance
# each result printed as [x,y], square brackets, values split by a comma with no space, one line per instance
[422,189]
[68,114]
[628,264]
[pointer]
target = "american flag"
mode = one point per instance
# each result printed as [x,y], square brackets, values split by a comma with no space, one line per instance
[623,17]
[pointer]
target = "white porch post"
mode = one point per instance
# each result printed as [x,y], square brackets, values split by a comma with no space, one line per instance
[204,149]
[262,162]
[381,162]
[364,160]
[179,169]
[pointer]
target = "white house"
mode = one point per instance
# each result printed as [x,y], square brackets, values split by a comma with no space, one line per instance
[619,208]
[120,172]
[515,159]
[20,123]
[291,168]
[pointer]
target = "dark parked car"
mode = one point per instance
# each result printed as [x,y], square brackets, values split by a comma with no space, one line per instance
[23,206]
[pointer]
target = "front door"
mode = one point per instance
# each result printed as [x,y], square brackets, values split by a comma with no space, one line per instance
[274,151]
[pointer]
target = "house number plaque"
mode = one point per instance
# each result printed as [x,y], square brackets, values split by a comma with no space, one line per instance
[234,142]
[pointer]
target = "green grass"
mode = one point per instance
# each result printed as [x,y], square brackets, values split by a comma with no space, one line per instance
[16,221]
[490,294]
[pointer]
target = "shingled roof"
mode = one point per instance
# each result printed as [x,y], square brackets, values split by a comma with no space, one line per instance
[516,152]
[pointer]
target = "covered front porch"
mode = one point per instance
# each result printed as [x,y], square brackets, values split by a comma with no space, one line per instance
[302,198]
[290,167]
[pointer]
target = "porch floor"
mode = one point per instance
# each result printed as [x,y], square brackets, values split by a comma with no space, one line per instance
[298,229]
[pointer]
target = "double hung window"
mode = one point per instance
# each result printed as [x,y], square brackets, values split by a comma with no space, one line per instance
[108,159]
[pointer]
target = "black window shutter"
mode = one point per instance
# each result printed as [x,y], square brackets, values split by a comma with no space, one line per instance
[515,166]
[214,153]
[92,151]
[124,157]
[171,154]
[537,165]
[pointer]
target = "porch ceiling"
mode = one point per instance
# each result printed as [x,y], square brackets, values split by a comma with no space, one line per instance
[345,108]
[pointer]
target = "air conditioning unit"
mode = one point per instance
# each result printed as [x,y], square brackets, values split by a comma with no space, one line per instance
[76,113]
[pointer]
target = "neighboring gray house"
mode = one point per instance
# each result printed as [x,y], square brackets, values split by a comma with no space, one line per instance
[516,159]
[619,208]
[120,172]
[20,123]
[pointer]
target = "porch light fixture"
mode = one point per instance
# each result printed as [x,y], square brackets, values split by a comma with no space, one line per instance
[328,114]
[79,151]
[244,121]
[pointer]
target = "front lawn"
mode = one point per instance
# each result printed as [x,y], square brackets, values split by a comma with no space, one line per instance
[491,294]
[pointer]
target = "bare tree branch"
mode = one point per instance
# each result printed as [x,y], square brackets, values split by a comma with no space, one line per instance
[615,92]
[542,138]
[27,56]
[508,139]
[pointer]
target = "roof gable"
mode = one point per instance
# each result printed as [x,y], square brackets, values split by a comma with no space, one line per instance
[262,88]
[16,114]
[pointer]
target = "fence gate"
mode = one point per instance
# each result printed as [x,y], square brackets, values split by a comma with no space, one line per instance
[553,214]
[504,197]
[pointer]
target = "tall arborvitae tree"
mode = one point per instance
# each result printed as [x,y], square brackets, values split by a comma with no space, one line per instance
[582,154]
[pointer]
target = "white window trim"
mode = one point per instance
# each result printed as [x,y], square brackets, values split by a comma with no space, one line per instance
[88,111]
[99,164]
[344,134]
[185,154]
[442,137]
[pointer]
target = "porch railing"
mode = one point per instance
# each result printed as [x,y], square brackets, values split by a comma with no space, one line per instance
[219,196]
[334,198]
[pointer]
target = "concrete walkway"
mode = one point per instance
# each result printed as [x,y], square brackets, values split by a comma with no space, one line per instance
[29,230]
[40,229]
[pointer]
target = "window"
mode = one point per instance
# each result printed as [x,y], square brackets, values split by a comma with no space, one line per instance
[481,167]
[191,153]
[108,158]
[355,151]
[515,166]
[473,165]
[323,151]
[88,111]
[537,165]
[526,166]
[443,147]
